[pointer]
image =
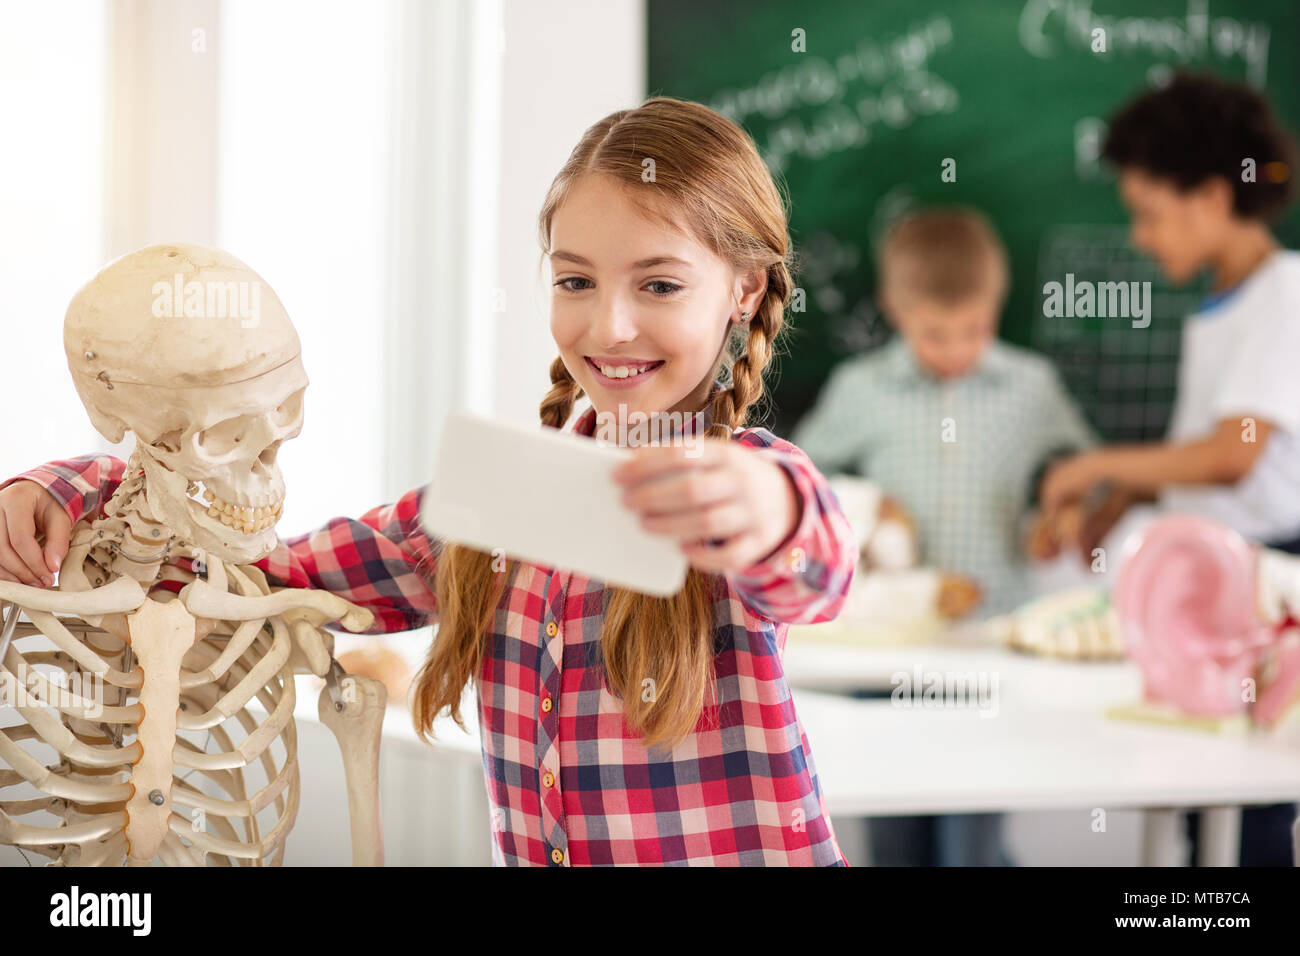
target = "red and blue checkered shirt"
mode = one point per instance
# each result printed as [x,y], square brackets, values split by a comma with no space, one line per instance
[568,782]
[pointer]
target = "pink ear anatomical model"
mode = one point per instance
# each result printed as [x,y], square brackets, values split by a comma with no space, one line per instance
[1207,619]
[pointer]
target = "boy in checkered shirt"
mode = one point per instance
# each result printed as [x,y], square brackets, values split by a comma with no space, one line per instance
[950,421]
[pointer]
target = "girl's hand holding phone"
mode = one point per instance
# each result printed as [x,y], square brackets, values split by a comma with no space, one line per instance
[712,491]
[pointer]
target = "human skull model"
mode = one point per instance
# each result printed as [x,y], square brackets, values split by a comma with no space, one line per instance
[190,714]
[189,349]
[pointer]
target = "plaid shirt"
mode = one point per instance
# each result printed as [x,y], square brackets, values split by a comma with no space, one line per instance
[959,455]
[568,782]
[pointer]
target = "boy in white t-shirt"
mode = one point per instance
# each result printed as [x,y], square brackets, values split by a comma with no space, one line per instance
[1204,168]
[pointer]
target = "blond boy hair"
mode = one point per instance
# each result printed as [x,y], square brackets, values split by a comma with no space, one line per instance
[947,255]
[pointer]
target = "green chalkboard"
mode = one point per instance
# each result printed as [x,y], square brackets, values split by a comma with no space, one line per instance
[860,122]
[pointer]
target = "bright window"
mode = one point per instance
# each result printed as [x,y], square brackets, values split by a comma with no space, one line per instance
[51,187]
[302,191]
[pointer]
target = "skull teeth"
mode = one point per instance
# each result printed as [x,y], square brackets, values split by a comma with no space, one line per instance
[247,520]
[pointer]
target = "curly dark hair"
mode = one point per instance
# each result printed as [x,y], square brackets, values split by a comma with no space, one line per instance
[1200,126]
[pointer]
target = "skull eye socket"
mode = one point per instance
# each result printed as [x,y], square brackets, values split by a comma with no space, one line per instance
[289,409]
[221,439]
[169,442]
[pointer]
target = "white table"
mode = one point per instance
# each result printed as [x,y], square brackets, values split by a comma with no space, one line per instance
[1046,745]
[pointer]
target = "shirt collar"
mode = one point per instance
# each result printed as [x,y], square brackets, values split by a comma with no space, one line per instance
[1212,301]
[902,364]
[696,424]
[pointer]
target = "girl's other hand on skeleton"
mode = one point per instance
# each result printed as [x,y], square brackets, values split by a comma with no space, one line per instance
[28,513]
[714,491]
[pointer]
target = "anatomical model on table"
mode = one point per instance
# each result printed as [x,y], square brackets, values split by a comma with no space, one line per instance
[1213,623]
[158,606]
[1077,622]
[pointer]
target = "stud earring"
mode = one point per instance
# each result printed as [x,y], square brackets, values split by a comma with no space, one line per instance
[744,316]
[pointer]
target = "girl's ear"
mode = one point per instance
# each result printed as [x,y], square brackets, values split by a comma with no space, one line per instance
[749,291]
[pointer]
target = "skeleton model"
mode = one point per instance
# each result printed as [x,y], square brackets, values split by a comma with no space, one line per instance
[133,678]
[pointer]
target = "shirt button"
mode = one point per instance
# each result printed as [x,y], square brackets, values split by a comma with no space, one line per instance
[546,705]
[557,855]
[551,630]
[549,779]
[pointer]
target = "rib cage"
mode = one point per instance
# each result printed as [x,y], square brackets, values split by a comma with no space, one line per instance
[234,793]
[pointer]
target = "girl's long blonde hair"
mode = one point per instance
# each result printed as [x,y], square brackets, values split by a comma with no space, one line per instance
[706,175]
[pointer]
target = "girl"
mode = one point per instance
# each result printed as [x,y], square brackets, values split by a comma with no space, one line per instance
[616,728]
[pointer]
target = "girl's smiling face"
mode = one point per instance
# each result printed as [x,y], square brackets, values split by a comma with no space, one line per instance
[629,292]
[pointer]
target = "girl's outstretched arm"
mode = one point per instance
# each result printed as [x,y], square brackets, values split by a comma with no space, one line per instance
[382,561]
[805,580]
[755,509]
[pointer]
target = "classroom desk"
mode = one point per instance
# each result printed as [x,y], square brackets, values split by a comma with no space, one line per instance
[1046,745]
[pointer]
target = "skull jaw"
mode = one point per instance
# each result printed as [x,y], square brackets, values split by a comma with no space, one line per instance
[166,493]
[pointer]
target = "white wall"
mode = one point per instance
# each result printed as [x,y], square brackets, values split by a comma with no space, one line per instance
[160,108]
[51,180]
[302,185]
[568,63]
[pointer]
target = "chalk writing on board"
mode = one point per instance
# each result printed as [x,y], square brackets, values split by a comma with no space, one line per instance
[1047,25]
[815,107]
[829,264]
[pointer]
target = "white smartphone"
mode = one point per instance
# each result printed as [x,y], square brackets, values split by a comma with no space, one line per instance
[547,497]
